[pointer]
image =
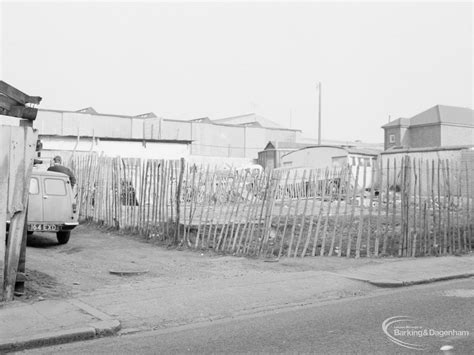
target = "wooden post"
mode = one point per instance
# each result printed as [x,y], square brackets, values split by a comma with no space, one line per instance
[439,202]
[229,205]
[17,155]
[235,210]
[274,181]
[421,230]
[246,230]
[172,189]
[287,216]
[193,202]
[458,210]
[238,232]
[448,227]
[155,182]
[254,212]
[371,201]
[445,207]
[361,216]
[267,185]
[328,212]
[379,208]
[346,199]
[433,206]
[407,189]
[167,201]
[178,199]
[468,211]
[349,231]
[320,214]
[303,219]
[387,207]
[202,206]
[282,205]
[185,193]
[213,199]
[342,179]
[461,205]
[5,138]
[295,217]
[426,206]
[313,205]
[414,232]
[401,239]
[394,207]
[222,198]
[149,179]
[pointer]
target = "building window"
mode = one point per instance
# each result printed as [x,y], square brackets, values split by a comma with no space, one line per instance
[391,138]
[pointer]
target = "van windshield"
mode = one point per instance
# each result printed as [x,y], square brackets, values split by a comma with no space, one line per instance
[54,187]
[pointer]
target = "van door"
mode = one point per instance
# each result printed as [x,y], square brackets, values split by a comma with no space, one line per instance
[35,201]
[56,201]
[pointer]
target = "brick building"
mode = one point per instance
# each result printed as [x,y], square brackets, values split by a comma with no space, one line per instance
[439,126]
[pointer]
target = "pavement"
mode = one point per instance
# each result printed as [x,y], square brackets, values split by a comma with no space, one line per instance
[51,322]
[165,302]
[413,271]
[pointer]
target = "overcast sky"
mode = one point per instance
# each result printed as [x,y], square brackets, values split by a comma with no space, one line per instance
[191,60]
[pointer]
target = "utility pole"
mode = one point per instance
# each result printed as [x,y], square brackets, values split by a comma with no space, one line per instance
[319,115]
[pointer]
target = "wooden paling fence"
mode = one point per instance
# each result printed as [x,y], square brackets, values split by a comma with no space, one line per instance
[402,208]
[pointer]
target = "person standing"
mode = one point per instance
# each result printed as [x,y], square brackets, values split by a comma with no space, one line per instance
[58,167]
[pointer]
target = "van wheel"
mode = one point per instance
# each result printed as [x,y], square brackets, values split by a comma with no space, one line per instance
[63,236]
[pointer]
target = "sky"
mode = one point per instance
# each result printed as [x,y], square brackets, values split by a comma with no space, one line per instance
[187,60]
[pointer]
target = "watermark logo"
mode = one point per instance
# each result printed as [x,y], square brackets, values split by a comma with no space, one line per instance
[402,329]
[392,326]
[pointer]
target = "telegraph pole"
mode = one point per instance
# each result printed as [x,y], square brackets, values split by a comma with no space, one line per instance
[319,115]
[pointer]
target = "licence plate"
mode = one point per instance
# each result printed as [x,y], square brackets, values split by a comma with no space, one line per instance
[43,227]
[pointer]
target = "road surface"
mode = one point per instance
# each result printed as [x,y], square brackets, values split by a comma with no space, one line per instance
[444,310]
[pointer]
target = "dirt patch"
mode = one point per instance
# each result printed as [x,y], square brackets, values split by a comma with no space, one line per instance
[40,285]
[83,265]
[71,250]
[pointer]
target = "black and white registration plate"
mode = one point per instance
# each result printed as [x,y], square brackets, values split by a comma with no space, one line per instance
[36,227]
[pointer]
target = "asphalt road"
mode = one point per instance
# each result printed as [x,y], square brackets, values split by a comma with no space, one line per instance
[346,326]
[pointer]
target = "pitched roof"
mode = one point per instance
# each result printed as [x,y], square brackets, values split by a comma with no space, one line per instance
[201,120]
[437,114]
[398,122]
[248,119]
[87,110]
[457,115]
[285,145]
[146,115]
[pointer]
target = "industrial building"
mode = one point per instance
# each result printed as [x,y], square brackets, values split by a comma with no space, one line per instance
[233,140]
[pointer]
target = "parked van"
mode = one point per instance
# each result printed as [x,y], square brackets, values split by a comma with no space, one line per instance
[52,205]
